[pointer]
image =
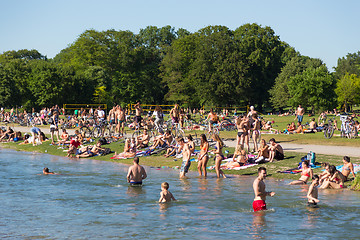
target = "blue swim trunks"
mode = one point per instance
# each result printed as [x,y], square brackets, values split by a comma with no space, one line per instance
[300,118]
[185,167]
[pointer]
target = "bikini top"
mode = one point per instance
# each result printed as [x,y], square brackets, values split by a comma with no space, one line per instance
[305,174]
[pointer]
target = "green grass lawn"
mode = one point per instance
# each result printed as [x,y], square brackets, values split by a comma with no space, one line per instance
[291,160]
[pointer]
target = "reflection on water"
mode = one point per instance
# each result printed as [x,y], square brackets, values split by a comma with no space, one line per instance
[92,200]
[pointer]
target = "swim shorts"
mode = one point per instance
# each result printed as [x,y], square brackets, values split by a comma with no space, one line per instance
[138,119]
[312,204]
[300,118]
[175,119]
[135,183]
[185,167]
[213,122]
[259,205]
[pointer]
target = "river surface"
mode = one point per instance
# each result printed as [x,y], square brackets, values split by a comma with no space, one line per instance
[91,200]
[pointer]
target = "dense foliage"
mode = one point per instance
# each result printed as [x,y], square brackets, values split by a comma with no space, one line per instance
[214,66]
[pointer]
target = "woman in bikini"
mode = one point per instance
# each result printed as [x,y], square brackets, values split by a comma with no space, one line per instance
[256,131]
[239,158]
[190,143]
[242,135]
[219,155]
[306,174]
[263,150]
[335,181]
[203,156]
[347,168]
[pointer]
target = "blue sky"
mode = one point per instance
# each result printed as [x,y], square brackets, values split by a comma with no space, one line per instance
[318,28]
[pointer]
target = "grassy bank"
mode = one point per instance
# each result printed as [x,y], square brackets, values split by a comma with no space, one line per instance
[291,160]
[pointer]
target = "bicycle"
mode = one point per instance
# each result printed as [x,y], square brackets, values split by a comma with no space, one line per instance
[329,129]
[347,127]
[99,130]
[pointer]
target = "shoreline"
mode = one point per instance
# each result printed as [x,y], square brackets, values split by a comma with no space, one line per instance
[158,161]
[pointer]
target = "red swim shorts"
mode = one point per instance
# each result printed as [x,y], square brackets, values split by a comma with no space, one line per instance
[259,205]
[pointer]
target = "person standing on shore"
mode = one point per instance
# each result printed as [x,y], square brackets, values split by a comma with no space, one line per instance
[259,191]
[136,173]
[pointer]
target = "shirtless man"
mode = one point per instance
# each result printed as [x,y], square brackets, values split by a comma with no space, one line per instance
[275,151]
[138,113]
[186,158]
[136,173]
[300,113]
[213,118]
[120,115]
[259,191]
[143,140]
[175,115]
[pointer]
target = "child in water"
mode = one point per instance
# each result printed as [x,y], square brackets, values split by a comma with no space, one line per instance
[165,195]
[313,192]
[47,171]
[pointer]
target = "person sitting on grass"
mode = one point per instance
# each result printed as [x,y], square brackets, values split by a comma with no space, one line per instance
[129,149]
[313,125]
[74,144]
[239,158]
[306,174]
[276,152]
[143,140]
[299,128]
[95,150]
[263,151]
[291,128]
[163,141]
[64,137]
[173,150]
[347,168]
[7,134]
[335,180]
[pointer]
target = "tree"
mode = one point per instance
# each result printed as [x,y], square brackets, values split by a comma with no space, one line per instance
[279,93]
[348,90]
[350,64]
[313,88]
[263,51]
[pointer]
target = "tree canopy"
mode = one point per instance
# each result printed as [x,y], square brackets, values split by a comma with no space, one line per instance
[213,66]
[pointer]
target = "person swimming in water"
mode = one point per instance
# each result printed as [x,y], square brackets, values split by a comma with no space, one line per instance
[46,171]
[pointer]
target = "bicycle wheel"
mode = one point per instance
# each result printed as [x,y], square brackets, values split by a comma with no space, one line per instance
[196,139]
[108,132]
[136,134]
[97,132]
[85,132]
[180,133]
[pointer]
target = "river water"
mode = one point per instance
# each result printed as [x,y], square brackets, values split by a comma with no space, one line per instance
[92,200]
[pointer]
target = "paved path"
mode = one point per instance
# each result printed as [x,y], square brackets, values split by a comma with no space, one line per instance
[304,148]
[319,149]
